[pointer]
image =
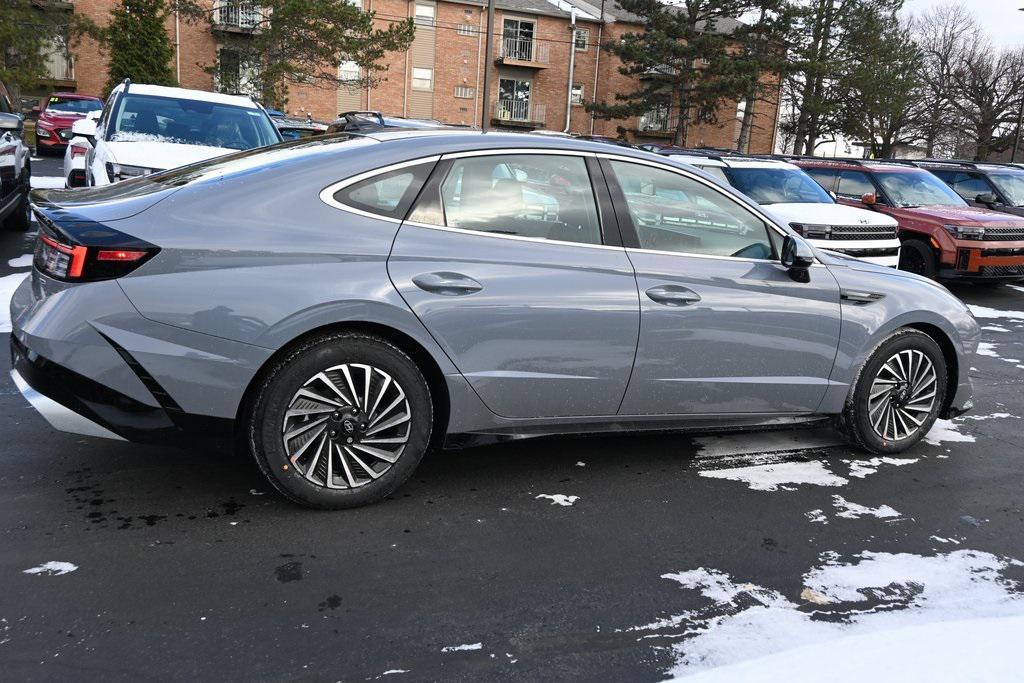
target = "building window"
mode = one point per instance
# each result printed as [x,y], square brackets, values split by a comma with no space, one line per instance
[517,40]
[465,92]
[466,30]
[577,94]
[348,72]
[581,38]
[422,78]
[513,100]
[229,71]
[425,14]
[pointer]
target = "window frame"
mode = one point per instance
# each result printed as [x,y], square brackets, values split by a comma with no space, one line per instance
[631,239]
[413,78]
[423,21]
[585,32]
[430,197]
[327,194]
[572,95]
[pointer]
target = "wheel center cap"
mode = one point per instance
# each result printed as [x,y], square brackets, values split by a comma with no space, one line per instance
[349,426]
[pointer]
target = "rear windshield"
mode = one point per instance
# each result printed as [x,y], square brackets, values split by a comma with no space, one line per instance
[908,189]
[73,105]
[778,186]
[191,122]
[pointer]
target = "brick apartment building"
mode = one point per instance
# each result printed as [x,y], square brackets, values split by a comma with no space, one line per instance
[441,76]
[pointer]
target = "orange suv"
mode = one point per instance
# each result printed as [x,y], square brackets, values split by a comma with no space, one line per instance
[943,237]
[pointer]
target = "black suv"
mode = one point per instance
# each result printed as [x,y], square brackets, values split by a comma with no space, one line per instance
[987,185]
[15,159]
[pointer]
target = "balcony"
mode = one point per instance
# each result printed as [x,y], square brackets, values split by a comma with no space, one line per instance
[523,52]
[236,17]
[518,114]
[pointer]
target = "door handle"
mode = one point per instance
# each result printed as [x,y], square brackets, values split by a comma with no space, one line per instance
[447,284]
[672,295]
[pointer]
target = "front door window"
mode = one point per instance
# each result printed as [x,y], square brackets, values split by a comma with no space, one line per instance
[513,99]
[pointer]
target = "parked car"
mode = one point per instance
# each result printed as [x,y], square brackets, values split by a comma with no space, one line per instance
[345,324]
[797,201]
[15,167]
[942,236]
[61,110]
[295,127]
[363,121]
[999,187]
[148,128]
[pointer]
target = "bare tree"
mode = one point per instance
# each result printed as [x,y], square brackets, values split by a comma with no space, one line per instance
[990,87]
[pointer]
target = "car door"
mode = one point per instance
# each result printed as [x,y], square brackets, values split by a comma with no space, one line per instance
[514,269]
[724,328]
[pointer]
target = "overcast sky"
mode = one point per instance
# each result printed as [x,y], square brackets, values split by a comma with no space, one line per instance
[1000,18]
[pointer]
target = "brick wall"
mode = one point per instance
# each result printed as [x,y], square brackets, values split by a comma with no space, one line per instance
[458,63]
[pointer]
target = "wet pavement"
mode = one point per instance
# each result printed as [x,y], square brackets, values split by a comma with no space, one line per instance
[167,564]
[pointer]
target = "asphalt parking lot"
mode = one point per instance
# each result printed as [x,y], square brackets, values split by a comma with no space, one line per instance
[611,558]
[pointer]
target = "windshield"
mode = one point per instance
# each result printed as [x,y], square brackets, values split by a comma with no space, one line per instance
[717,171]
[191,122]
[778,186]
[1011,185]
[908,189]
[74,106]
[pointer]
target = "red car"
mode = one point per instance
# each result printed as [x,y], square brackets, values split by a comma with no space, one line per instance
[943,237]
[53,129]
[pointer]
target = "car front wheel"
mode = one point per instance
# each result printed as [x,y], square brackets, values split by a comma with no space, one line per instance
[341,421]
[21,219]
[898,395]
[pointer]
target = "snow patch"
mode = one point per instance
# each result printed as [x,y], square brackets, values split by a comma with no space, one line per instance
[985,312]
[8,284]
[987,349]
[47,182]
[940,539]
[462,648]
[994,328]
[853,510]
[944,431]
[24,261]
[817,516]
[52,568]
[560,499]
[905,610]
[784,475]
[993,416]
[862,468]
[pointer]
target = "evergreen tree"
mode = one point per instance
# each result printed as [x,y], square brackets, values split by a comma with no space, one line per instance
[136,40]
[29,31]
[682,61]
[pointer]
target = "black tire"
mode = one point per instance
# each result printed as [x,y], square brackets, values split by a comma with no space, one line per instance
[855,421]
[291,373]
[21,219]
[917,256]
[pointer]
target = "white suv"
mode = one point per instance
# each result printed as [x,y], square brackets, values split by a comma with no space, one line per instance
[149,128]
[796,200]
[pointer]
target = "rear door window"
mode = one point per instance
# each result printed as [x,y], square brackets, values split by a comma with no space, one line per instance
[389,194]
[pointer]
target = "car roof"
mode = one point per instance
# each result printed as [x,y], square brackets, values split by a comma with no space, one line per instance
[468,138]
[187,94]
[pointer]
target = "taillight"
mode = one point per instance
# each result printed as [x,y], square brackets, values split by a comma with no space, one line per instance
[77,151]
[80,263]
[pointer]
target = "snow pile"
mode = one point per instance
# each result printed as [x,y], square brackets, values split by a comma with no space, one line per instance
[47,182]
[944,431]
[8,284]
[24,261]
[52,568]
[906,608]
[853,510]
[779,475]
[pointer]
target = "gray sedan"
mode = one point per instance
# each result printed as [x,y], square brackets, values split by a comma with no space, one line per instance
[339,306]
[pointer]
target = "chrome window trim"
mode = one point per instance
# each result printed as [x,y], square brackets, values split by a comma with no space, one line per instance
[519,150]
[518,238]
[327,194]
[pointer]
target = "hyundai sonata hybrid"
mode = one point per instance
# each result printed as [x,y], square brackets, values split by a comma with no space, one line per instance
[338,306]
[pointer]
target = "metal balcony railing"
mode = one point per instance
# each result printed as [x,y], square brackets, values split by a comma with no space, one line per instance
[237,14]
[519,110]
[524,50]
[655,120]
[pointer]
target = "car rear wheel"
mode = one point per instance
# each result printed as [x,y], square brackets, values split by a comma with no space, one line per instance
[21,219]
[898,394]
[917,257]
[341,421]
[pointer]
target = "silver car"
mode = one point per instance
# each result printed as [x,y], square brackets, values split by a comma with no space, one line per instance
[339,306]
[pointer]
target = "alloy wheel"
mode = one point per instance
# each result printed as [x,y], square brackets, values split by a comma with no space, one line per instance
[346,426]
[902,395]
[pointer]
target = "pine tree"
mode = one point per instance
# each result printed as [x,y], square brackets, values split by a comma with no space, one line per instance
[137,42]
[682,61]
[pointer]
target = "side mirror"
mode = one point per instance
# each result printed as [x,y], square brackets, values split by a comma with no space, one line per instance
[85,128]
[10,123]
[798,257]
[987,198]
[869,199]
